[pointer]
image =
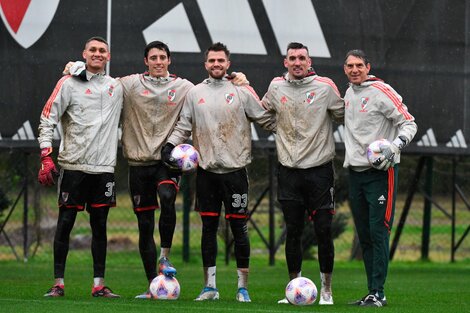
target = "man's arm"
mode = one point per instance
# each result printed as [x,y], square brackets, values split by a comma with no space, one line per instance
[50,117]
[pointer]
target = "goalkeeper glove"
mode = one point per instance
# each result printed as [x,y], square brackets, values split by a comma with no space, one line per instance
[167,159]
[392,152]
[48,169]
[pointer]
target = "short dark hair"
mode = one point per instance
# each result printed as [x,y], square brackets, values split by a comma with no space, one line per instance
[218,46]
[158,45]
[296,45]
[97,38]
[358,53]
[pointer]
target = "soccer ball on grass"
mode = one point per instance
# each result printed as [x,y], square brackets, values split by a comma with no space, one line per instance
[165,288]
[301,291]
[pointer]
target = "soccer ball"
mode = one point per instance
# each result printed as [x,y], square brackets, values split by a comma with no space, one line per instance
[186,156]
[164,288]
[301,291]
[374,151]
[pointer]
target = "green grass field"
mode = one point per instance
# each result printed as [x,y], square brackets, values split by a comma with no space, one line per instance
[411,287]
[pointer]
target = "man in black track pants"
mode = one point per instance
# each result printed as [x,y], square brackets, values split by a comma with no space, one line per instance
[305,105]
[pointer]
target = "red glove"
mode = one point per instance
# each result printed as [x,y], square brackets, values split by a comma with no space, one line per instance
[48,169]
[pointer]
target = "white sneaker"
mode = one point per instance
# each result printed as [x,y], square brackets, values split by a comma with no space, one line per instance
[326,298]
[283,301]
[208,293]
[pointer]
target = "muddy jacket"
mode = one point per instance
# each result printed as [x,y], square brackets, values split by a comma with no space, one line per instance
[88,107]
[374,110]
[150,111]
[305,111]
[218,116]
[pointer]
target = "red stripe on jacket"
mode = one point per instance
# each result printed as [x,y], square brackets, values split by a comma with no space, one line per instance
[46,111]
[396,101]
[328,81]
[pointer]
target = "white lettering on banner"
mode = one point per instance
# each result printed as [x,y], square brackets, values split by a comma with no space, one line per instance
[25,132]
[297,21]
[173,29]
[27,20]
[233,23]
[428,139]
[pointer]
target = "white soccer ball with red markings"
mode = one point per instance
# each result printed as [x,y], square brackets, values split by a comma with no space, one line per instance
[186,156]
[165,288]
[374,152]
[301,291]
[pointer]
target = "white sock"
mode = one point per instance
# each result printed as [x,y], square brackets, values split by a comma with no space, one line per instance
[59,281]
[242,274]
[164,252]
[98,281]
[209,276]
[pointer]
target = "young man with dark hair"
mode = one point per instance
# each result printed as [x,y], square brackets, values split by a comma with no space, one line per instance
[88,107]
[305,106]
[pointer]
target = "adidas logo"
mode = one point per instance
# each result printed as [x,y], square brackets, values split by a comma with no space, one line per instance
[25,132]
[201,101]
[428,139]
[175,27]
[457,141]
[145,92]
[88,91]
[382,199]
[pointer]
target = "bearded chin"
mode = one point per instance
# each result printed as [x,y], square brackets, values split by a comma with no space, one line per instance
[217,74]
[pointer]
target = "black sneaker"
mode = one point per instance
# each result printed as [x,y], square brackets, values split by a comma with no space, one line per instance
[373,301]
[359,302]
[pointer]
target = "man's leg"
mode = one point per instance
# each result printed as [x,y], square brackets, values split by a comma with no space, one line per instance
[326,252]
[147,248]
[167,191]
[65,223]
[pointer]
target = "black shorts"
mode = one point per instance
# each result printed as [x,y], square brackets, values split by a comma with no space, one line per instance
[231,189]
[80,190]
[143,184]
[313,187]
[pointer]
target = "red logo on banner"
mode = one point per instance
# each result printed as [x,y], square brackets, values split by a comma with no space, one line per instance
[14,12]
[27,20]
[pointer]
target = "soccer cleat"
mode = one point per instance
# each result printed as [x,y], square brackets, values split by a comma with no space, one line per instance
[55,291]
[326,298]
[373,301]
[208,293]
[242,295]
[358,302]
[103,291]
[166,268]
[145,295]
[283,301]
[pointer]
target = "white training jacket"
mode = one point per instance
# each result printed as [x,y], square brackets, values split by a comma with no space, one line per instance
[88,107]
[373,110]
[218,115]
